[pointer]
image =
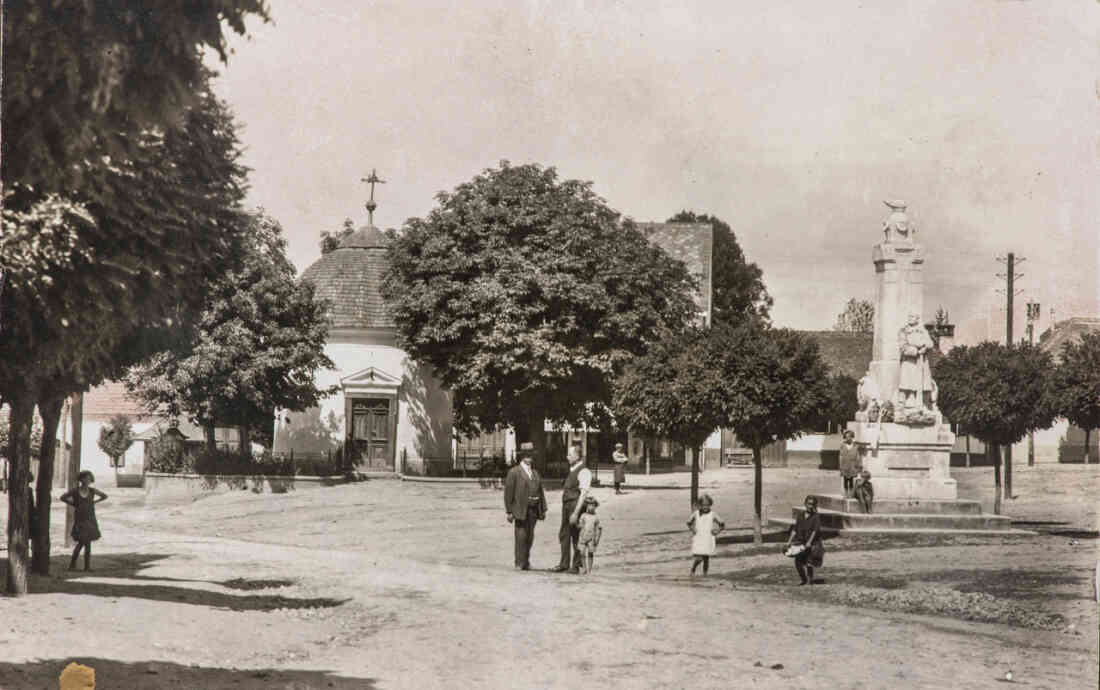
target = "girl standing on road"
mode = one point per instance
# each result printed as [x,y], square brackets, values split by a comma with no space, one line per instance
[704,526]
[85,527]
[806,533]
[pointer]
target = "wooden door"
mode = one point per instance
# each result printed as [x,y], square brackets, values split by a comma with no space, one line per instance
[373,432]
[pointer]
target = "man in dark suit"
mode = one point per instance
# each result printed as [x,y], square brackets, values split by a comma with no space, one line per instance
[525,503]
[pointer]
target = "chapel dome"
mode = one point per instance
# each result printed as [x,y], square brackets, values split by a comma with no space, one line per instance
[349,278]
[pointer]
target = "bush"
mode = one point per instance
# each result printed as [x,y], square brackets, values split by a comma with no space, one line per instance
[167,454]
[171,457]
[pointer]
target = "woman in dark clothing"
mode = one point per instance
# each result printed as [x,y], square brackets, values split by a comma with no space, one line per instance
[806,532]
[85,527]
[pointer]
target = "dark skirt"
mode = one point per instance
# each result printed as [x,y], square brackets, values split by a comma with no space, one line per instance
[620,472]
[86,531]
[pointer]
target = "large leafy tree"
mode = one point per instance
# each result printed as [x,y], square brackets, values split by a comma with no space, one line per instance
[1076,385]
[527,294]
[96,280]
[675,392]
[774,383]
[858,317]
[254,348]
[737,284]
[88,79]
[766,384]
[999,393]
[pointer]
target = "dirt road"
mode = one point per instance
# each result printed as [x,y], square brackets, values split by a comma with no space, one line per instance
[386,584]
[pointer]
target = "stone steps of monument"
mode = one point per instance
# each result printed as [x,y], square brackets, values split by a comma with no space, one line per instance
[894,506]
[848,531]
[835,520]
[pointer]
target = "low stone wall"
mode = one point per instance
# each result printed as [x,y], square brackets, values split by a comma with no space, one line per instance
[204,484]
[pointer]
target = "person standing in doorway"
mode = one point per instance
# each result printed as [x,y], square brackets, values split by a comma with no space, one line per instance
[620,459]
[849,461]
[524,503]
[573,493]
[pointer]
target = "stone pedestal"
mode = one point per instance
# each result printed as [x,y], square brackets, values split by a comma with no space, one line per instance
[899,292]
[907,462]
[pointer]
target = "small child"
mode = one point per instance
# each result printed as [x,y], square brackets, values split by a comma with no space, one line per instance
[591,531]
[704,526]
[864,491]
[85,527]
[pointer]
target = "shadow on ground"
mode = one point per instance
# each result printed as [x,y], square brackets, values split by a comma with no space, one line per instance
[128,566]
[153,675]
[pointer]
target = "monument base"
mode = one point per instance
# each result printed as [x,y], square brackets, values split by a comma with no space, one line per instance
[842,516]
[907,462]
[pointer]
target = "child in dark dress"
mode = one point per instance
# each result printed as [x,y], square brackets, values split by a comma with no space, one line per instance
[864,491]
[85,527]
[806,532]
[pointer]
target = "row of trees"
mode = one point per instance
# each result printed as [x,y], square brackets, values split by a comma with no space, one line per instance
[122,200]
[1002,393]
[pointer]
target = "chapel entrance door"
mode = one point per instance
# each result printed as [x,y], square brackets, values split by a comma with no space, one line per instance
[373,433]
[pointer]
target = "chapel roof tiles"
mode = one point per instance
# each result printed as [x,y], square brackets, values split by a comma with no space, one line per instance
[349,279]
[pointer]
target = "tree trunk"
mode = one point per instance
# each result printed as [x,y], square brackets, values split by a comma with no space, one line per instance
[1087,446]
[208,433]
[74,463]
[20,418]
[694,477]
[996,450]
[968,450]
[50,410]
[757,496]
[1008,471]
[243,439]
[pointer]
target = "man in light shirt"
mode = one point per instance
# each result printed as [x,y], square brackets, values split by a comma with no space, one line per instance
[573,492]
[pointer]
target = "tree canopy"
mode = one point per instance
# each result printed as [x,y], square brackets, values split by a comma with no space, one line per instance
[116,437]
[83,80]
[254,348]
[858,317]
[674,392]
[93,281]
[737,284]
[999,393]
[527,294]
[1076,384]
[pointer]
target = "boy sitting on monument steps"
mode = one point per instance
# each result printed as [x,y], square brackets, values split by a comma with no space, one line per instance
[864,491]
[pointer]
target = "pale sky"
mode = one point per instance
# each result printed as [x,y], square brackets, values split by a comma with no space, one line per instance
[792,121]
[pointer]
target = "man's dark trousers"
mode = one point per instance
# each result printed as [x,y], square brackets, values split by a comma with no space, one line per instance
[525,536]
[569,536]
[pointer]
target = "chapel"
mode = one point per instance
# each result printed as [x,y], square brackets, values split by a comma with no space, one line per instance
[388,411]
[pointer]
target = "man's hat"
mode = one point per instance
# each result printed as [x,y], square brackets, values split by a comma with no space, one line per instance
[592,500]
[618,445]
[526,449]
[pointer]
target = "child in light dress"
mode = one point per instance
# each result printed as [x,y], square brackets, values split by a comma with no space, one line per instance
[705,526]
[591,531]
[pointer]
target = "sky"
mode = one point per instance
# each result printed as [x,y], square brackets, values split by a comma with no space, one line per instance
[791,121]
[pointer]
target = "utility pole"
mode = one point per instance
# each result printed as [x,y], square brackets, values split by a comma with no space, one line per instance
[1010,275]
[1033,311]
